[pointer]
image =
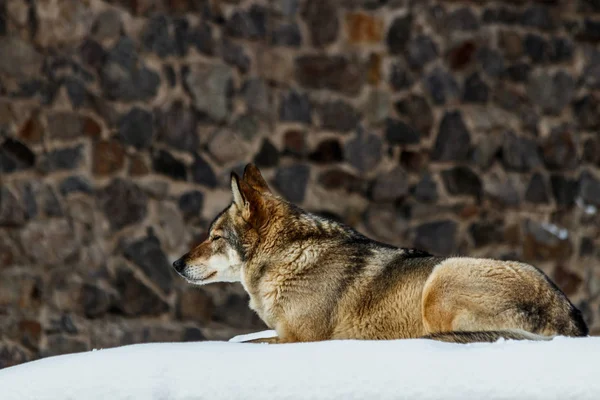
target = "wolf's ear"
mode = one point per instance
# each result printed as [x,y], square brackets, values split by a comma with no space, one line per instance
[244,196]
[254,178]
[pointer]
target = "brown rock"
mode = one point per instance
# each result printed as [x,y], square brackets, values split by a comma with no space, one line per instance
[374,69]
[295,143]
[195,304]
[49,242]
[462,55]
[336,73]
[91,127]
[65,125]
[511,43]
[138,166]
[31,332]
[108,157]
[32,131]
[545,241]
[363,28]
[12,354]
[568,281]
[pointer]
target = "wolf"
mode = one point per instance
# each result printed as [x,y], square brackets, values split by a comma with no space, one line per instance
[313,279]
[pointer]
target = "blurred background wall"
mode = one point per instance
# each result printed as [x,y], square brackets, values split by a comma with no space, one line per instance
[459,127]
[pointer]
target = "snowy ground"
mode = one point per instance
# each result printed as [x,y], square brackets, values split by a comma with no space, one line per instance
[563,368]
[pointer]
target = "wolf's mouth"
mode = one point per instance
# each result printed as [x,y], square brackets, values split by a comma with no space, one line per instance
[209,276]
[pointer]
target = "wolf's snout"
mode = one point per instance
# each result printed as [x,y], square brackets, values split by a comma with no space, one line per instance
[179,265]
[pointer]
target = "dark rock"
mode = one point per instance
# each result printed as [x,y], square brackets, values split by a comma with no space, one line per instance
[201,37]
[328,151]
[123,77]
[108,157]
[20,59]
[76,91]
[564,190]
[286,34]
[421,50]
[399,34]
[438,237]
[136,128]
[539,17]
[502,191]
[291,182]
[202,172]
[191,204]
[519,153]
[235,55]
[123,203]
[338,116]
[453,142]
[75,184]
[561,50]
[426,190]
[177,127]
[92,53]
[251,24]
[536,47]
[335,179]
[28,199]
[62,159]
[551,92]
[590,76]
[485,233]
[164,163]
[417,112]
[364,151]
[147,254]
[267,156]
[257,96]
[501,15]
[475,90]
[587,112]
[48,201]
[591,151]
[12,212]
[322,21]
[518,72]
[560,149]
[12,354]
[136,298]
[462,19]
[462,181]
[294,143]
[210,88]
[589,189]
[15,156]
[156,38]
[295,107]
[400,77]
[441,86]
[336,73]
[545,242]
[390,186]
[96,301]
[537,190]
[397,132]
[491,61]
[587,247]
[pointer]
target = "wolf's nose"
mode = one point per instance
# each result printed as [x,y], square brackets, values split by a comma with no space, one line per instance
[179,265]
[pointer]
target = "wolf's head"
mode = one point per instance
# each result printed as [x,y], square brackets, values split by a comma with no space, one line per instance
[233,234]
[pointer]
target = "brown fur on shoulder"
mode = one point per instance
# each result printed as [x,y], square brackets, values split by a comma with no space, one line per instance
[313,279]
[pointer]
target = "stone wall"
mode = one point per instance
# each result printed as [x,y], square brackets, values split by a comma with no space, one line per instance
[460,127]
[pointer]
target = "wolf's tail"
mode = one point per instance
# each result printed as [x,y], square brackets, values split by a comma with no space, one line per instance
[484,336]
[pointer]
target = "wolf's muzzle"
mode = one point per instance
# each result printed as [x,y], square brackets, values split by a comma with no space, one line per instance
[179,265]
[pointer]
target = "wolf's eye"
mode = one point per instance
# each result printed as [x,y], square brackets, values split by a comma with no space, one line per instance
[216,237]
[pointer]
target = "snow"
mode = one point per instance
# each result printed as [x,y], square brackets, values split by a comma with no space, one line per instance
[563,368]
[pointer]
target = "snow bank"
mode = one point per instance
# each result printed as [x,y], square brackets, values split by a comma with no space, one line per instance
[564,368]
